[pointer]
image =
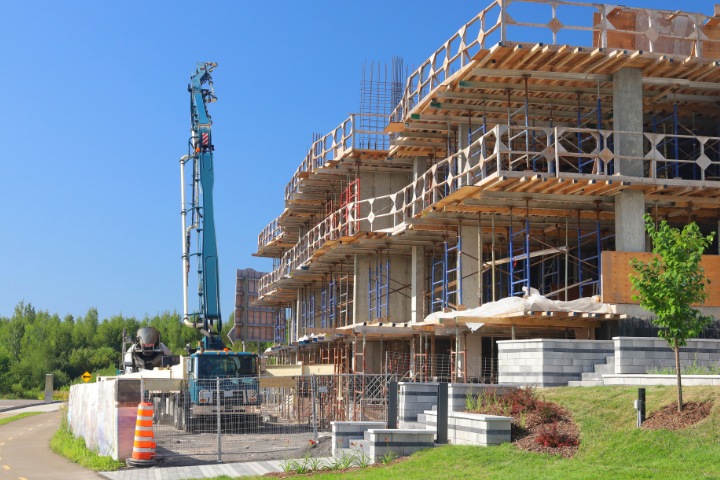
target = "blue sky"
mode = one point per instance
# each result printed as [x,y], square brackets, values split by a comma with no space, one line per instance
[96,118]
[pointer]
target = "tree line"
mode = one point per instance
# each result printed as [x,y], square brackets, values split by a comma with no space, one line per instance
[35,342]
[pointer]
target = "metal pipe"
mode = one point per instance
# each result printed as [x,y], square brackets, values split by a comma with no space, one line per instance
[185,231]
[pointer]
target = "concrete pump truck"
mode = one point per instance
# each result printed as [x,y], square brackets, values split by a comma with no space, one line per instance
[217,380]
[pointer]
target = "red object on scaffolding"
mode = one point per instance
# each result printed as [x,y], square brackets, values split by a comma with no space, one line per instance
[350,208]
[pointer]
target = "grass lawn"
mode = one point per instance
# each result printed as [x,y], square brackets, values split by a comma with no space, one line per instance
[5,420]
[611,446]
[64,443]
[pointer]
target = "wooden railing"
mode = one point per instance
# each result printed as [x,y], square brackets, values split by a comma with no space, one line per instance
[561,22]
[346,136]
[550,152]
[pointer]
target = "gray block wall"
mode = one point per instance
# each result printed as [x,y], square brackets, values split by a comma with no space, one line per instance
[458,393]
[472,428]
[343,433]
[635,355]
[414,399]
[549,362]
[382,441]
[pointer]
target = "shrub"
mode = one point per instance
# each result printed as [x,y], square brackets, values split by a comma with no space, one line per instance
[548,412]
[549,436]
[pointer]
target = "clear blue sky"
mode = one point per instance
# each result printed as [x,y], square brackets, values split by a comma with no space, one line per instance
[95,119]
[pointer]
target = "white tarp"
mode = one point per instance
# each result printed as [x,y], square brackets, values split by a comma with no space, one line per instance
[519,305]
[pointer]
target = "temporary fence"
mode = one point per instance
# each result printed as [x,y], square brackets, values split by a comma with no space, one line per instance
[229,419]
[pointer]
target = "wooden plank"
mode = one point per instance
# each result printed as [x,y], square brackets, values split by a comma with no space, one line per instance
[394,127]
[616,270]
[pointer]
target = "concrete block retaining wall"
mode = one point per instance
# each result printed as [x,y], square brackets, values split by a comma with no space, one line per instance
[472,428]
[549,362]
[458,393]
[402,442]
[637,355]
[345,432]
[414,399]
[104,414]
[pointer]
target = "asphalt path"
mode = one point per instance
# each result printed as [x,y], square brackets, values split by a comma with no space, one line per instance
[8,405]
[25,445]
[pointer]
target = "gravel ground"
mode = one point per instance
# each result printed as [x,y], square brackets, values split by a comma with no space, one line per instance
[197,449]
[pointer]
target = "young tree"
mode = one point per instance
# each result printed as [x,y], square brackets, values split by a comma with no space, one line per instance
[673,281]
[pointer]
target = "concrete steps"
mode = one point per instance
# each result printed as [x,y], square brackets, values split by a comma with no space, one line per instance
[594,378]
[379,442]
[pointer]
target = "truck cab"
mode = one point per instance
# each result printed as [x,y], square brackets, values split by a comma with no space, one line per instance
[237,374]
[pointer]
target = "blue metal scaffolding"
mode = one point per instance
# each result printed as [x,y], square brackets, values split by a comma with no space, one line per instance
[328,301]
[668,145]
[550,274]
[519,255]
[589,251]
[379,287]
[446,277]
[281,326]
[307,308]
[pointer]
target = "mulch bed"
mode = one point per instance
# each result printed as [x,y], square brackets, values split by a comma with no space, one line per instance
[669,418]
[530,438]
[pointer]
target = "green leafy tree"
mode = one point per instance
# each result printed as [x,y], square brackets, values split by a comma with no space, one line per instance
[85,329]
[671,283]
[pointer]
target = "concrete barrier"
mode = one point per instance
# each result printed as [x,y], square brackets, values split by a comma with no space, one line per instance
[104,414]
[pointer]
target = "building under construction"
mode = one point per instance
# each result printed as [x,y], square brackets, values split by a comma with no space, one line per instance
[522,154]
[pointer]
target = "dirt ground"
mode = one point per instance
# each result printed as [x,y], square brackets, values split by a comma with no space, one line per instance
[198,449]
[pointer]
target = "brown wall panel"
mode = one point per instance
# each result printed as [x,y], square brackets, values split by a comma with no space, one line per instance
[616,270]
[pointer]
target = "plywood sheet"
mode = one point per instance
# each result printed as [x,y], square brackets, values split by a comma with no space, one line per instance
[621,20]
[616,270]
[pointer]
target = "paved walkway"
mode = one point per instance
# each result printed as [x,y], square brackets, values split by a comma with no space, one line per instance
[246,469]
[199,471]
[25,449]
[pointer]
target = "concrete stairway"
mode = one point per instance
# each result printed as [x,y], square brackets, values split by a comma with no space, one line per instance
[594,378]
[378,442]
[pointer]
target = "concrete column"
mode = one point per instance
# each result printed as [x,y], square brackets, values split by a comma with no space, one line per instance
[469,265]
[375,185]
[420,166]
[629,223]
[360,288]
[417,284]
[400,275]
[628,117]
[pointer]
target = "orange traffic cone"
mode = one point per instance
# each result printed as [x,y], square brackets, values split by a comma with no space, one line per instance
[143,454]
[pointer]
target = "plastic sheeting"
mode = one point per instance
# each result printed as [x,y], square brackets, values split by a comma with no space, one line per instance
[518,305]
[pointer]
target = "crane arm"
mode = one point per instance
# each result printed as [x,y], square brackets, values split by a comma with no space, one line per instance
[208,319]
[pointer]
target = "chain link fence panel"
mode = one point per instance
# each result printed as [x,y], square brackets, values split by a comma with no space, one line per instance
[284,417]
